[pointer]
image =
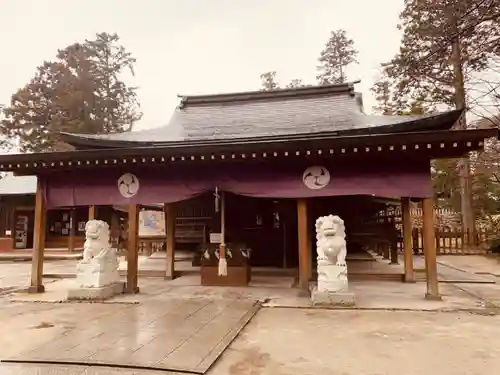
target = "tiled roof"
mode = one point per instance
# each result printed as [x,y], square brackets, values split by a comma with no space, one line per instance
[333,108]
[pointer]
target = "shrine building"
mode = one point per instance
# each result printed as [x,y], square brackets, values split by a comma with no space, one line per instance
[252,171]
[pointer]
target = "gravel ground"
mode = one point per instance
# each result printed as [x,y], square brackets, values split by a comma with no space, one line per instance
[299,341]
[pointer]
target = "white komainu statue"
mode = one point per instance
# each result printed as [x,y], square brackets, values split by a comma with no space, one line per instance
[96,240]
[331,244]
[99,266]
[332,251]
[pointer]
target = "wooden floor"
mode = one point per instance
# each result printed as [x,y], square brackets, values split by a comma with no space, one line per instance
[179,334]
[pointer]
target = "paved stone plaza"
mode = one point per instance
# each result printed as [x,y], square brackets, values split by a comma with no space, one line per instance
[184,334]
[180,325]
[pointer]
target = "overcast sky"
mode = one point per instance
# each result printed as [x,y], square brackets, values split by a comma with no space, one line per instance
[198,46]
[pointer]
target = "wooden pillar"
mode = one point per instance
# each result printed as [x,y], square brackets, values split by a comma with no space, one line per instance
[115,229]
[380,248]
[303,242]
[429,238]
[132,249]
[71,235]
[92,212]
[170,220]
[407,240]
[310,243]
[36,285]
[394,250]
[385,250]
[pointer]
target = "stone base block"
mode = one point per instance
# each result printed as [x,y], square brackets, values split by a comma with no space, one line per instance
[332,278]
[96,274]
[332,298]
[433,297]
[96,294]
[36,289]
[131,290]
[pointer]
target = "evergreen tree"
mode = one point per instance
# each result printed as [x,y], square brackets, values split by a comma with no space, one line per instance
[383,93]
[338,54]
[294,83]
[269,82]
[80,92]
[444,44]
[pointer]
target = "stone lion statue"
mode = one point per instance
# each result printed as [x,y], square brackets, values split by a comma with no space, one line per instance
[99,266]
[96,244]
[330,240]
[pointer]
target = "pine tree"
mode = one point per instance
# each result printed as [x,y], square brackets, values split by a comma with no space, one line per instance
[294,83]
[338,54]
[117,106]
[269,82]
[383,94]
[80,92]
[444,44]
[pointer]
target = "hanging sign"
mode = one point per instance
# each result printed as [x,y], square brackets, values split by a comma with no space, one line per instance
[215,238]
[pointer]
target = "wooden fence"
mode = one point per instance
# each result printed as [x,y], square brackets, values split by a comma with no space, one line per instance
[450,241]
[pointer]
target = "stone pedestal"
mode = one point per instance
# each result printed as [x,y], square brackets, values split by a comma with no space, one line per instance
[96,294]
[97,279]
[326,298]
[332,288]
[332,278]
[97,273]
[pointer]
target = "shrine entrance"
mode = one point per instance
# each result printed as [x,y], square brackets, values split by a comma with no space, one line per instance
[258,233]
[266,226]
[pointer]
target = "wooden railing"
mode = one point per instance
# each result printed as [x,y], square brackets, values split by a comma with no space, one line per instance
[148,246]
[186,232]
[450,241]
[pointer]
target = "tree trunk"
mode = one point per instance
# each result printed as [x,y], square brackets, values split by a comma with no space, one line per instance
[463,164]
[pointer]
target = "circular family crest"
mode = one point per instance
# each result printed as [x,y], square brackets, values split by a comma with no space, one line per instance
[316,177]
[128,185]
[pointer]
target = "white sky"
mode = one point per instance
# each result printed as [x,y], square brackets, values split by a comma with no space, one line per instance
[198,46]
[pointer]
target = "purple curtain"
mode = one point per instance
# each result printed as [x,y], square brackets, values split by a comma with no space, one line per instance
[176,183]
[384,180]
[101,188]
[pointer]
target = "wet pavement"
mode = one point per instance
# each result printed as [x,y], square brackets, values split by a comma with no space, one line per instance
[178,334]
[38,369]
[179,324]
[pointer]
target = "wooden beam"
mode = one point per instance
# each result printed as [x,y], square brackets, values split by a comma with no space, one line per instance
[36,285]
[407,240]
[170,220]
[92,212]
[303,242]
[132,249]
[72,225]
[429,237]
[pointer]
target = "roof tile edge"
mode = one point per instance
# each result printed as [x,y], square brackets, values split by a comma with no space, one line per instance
[297,92]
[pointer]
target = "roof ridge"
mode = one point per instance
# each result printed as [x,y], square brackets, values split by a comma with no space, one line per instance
[245,96]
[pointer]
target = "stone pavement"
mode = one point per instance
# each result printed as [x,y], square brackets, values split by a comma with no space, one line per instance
[473,264]
[282,341]
[182,325]
[303,342]
[17,274]
[27,255]
[174,334]
[54,369]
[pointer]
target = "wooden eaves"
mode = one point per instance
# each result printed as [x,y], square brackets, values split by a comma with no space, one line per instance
[428,144]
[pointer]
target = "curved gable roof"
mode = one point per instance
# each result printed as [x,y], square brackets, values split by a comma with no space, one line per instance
[249,115]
